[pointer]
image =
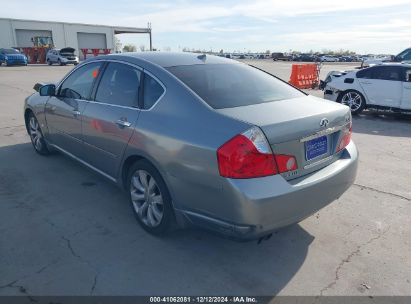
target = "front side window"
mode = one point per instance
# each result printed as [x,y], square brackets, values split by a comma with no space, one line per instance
[233,85]
[119,85]
[79,84]
[152,91]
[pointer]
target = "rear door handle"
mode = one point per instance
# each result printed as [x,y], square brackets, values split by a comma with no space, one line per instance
[123,123]
[76,113]
[365,82]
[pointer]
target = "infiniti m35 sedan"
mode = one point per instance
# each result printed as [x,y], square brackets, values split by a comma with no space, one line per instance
[198,140]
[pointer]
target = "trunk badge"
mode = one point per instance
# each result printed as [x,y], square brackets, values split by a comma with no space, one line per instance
[324,122]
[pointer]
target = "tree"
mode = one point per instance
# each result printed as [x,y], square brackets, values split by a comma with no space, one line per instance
[268,52]
[129,48]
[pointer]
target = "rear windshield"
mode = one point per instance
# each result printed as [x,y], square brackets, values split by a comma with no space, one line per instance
[233,85]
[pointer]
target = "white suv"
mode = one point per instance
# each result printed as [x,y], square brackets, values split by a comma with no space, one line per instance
[62,57]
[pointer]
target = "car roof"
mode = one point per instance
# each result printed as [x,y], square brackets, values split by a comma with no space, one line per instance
[169,59]
[394,64]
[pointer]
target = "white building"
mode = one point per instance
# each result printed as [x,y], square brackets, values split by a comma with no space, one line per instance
[19,33]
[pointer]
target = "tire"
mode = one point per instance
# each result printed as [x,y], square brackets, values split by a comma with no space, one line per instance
[36,135]
[59,62]
[354,99]
[49,62]
[149,198]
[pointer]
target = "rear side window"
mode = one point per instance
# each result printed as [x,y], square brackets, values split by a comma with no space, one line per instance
[152,91]
[233,85]
[387,73]
[365,73]
[119,85]
[79,84]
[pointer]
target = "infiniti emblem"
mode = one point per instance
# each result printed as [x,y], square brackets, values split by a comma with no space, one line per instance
[324,122]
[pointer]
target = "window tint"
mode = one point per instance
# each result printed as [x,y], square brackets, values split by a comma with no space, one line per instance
[233,85]
[79,84]
[387,73]
[405,55]
[408,75]
[365,73]
[152,91]
[119,85]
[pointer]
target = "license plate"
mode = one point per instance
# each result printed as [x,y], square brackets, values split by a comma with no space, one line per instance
[316,147]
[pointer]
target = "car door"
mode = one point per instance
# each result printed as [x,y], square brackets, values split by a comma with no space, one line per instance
[406,92]
[109,119]
[64,111]
[383,85]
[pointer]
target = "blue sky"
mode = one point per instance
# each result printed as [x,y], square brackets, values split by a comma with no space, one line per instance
[364,26]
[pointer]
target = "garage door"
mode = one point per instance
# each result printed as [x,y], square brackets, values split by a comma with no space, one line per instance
[23,37]
[91,41]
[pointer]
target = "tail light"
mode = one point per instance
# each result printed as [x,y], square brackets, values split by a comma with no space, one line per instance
[249,155]
[345,139]
[285,163]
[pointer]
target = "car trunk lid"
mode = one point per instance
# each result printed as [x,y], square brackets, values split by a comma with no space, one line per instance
[309,128]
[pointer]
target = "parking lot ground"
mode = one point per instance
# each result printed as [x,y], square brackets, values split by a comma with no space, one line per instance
[65,230]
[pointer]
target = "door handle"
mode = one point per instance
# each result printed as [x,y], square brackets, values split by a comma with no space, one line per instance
[76,113]
[365,82]
[123,123]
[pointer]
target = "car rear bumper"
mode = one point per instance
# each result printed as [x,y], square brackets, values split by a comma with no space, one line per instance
[330,94]
[266,204]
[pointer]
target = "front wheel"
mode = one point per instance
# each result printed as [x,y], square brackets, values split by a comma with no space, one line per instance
[354,99]
[150,198]
[36,136]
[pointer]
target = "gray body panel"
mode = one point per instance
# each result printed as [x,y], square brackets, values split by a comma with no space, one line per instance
[180,135]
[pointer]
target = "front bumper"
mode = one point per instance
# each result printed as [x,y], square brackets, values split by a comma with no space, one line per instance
[263,205]
[16,62]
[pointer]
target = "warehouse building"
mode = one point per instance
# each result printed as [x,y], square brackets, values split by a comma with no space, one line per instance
[21,34]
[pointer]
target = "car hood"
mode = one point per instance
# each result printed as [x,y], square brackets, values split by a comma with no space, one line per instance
[67,50]
[291,119]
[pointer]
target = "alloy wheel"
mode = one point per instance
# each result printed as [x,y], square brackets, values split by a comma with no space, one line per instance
[35,133]
[353,100]
[146,198]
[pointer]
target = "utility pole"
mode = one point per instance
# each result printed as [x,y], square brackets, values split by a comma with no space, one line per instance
[151,39]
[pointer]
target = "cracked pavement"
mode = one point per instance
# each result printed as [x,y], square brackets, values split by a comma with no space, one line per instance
[65,230]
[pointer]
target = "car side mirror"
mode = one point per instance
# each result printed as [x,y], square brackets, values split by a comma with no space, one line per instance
[48,90]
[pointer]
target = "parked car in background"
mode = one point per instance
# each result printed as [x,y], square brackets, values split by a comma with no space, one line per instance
[62,57]
[328,58]
[404,57]
[12,57]
[270,154]
[386,86]
[281,57]
[306,58]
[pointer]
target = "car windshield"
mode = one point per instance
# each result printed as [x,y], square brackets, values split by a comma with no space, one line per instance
[233,85]
[10,51]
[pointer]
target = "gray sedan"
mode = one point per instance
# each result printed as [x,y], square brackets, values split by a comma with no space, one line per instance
[198,140]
